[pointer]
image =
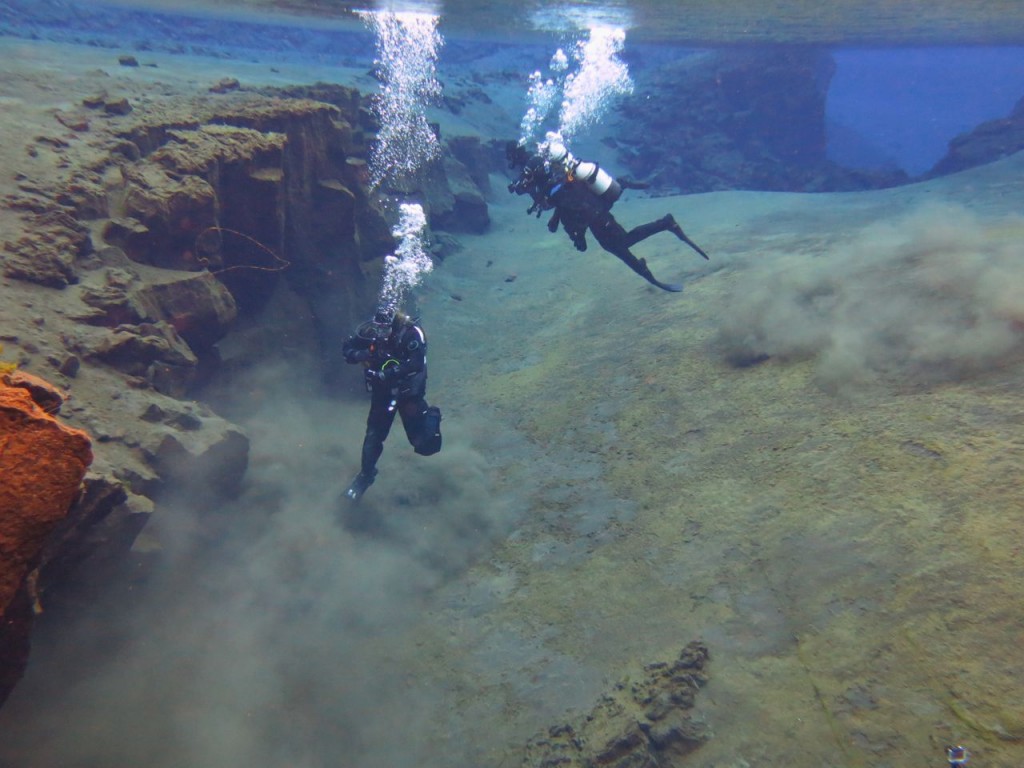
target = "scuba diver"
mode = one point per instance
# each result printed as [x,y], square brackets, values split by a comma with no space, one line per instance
[393,351]
[582,195]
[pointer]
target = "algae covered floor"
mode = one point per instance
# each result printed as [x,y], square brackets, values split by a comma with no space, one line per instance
[810,460]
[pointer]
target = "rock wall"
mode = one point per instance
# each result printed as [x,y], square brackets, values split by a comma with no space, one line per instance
[736,119]
[990,141]
[135,239]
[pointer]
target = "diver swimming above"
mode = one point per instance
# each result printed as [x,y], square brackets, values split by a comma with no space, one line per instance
[581,195]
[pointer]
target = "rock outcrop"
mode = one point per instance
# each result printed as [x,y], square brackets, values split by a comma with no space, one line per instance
[641,724]
[47,252]
[736,119]
[197,305]
[42,463]
[135,239]
[990,141]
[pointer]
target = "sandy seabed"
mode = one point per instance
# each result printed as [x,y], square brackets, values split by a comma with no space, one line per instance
[810,460]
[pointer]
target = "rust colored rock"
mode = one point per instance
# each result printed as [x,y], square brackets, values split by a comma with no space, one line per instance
[42,463]
[42,392]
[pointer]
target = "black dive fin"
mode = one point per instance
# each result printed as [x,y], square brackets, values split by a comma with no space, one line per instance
[670,287]
[640,267]
[689,242]
[676,230]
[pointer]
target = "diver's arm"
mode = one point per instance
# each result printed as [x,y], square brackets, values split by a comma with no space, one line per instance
[357,349]
[553,222]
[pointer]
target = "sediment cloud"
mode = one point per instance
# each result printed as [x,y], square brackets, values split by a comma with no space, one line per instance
[935,296]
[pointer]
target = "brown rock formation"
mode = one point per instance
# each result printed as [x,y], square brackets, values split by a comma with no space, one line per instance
[237,183]
[42,463]
[641,724]
[197,305]
[46,253]
[160,227]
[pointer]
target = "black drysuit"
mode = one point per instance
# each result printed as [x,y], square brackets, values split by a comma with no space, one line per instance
[396,376]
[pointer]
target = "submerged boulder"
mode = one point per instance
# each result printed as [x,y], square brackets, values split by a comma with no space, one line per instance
[640,723]
[42,463]
[47,252]
[212,454]
[197,305]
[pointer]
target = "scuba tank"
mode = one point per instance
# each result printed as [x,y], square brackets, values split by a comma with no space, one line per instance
[597,180]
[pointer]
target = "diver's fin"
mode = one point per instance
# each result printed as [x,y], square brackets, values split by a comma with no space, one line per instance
[640,267]
[670,287]
[360,483]
[676,230]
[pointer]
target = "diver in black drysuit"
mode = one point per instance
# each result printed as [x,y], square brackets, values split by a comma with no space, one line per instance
[580,203]
[393,351]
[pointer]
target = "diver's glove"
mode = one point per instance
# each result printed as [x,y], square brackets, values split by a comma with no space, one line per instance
[390,373]
[580,242]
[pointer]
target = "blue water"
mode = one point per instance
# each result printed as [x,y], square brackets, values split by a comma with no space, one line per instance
[887,107]
[907,104]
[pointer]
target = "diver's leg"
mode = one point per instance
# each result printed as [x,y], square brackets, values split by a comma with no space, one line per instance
[666,223]
[378,426]
[636,234]
[612,239]
[422,424]
[675,229]
[411,410]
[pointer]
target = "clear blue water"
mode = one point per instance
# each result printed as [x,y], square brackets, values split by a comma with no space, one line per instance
[909,103]
[891,104]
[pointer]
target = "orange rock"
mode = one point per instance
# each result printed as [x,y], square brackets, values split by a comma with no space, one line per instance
[42,463]
[45,395]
